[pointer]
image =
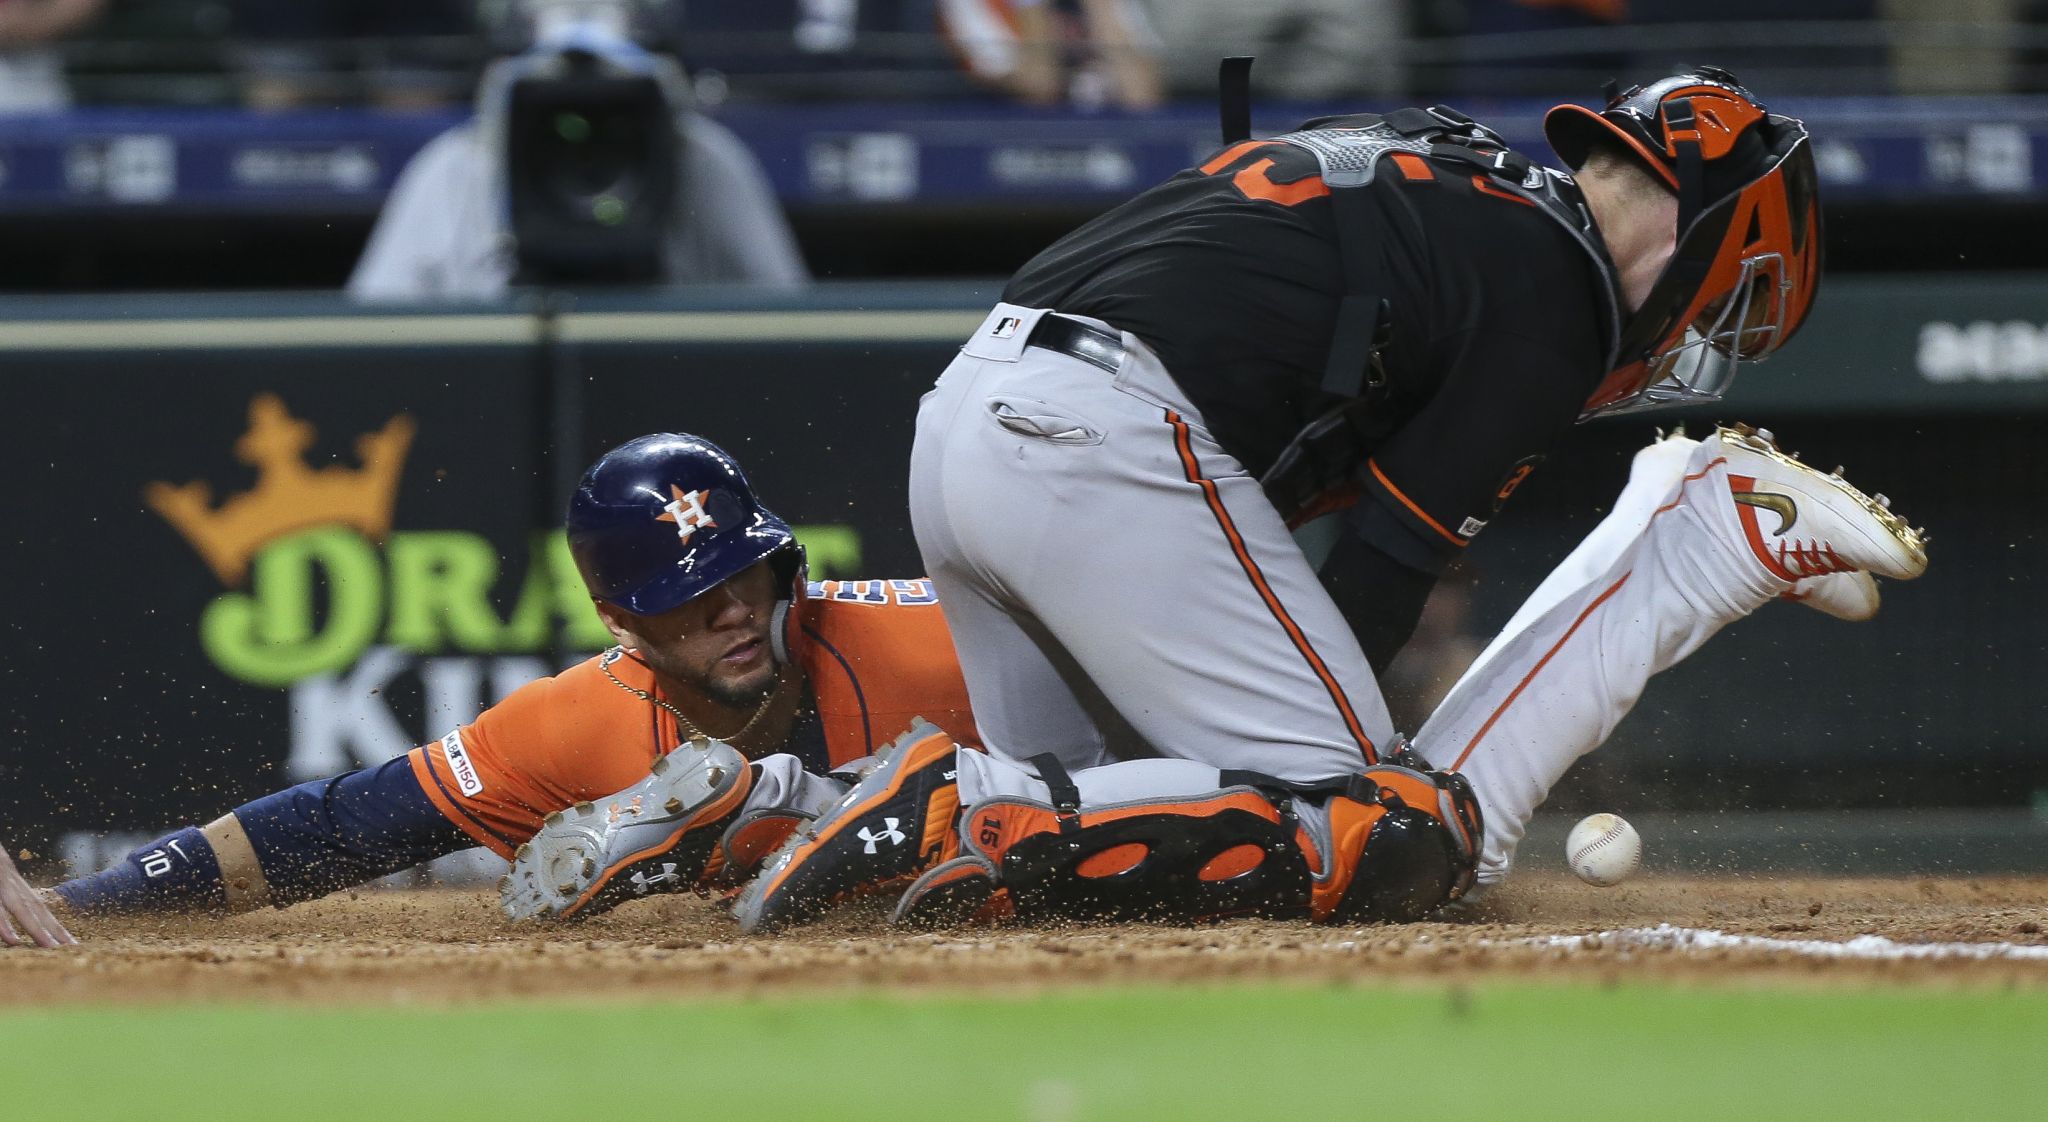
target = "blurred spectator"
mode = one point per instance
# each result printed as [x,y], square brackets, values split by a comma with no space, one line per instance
[815,48]
[1953,46]
[1308,50]
[31,71]
[400,54]
[1542,46]
[449,228]
[1771,45]
[1088,53]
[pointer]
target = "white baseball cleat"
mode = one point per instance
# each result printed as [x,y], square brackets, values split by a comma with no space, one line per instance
[1801,523]
[1850,596]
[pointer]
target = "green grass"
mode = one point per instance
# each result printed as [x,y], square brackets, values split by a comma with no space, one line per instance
[1498,1052]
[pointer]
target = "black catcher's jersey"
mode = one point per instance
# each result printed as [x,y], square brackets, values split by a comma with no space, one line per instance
[1231,273]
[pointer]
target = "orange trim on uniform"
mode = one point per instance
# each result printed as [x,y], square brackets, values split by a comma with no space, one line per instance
[433,784]
[1480,184]
[1258,578]
[1413,166]
[1717,461]
[1229,155]
[1410,504]
[1255,185]
[1527,678]
[1538,668]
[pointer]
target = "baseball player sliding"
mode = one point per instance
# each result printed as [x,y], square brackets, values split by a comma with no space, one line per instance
[720,637]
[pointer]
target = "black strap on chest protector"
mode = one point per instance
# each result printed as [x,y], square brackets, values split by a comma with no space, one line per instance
[1234,98]
[1361,315]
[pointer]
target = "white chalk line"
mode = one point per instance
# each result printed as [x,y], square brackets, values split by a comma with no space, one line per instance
[1667,937]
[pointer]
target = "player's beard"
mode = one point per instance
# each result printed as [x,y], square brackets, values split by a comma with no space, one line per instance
[743,693]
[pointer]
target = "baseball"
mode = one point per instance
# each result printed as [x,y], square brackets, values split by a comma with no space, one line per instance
[1603,849]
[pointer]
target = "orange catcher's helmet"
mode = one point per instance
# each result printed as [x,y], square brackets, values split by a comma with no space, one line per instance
[1748,253]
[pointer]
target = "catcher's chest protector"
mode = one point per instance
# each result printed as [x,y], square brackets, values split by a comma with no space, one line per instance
[1438,143]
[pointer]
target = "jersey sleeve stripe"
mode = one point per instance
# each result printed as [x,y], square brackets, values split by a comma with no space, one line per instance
[445,802]
[1250,565]
[1410,504]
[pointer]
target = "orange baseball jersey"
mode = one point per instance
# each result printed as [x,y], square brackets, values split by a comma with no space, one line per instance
[875,654]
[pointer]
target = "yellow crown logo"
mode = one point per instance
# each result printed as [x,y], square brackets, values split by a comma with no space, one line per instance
[289,496]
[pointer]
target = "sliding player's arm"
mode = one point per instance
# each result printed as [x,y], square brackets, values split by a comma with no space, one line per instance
[488,784]
[298,844]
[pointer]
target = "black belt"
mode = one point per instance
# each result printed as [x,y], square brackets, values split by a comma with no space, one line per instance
[1092,345]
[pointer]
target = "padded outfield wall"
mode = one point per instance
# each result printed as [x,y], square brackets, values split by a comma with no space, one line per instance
[261,539]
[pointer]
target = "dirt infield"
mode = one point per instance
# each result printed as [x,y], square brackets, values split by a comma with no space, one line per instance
[393,947]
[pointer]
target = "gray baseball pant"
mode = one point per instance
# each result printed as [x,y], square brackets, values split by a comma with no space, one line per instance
[1117,585]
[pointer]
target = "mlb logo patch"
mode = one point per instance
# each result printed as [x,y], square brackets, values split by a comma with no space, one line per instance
[1006,327]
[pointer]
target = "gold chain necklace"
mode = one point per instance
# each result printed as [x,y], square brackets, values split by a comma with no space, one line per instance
[688,727]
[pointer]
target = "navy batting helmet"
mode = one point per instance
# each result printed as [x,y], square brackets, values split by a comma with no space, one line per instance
[663,519]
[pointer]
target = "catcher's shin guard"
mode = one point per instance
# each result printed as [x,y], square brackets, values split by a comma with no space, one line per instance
[1228,854]
[895,823]
[1398,843]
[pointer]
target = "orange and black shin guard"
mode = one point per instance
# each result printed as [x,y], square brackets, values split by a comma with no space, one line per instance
[1401,843]
[1231,853]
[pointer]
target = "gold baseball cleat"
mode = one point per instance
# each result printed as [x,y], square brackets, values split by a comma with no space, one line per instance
[1818,523]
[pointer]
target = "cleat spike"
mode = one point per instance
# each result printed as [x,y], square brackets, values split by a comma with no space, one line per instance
[1882,500]
[554,819]
[567,888]
[520,853]
[589,868]
[673,806]
[1837,473]
[585,808]
[715,776]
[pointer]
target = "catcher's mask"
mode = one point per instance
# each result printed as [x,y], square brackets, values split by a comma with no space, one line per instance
[1748,255]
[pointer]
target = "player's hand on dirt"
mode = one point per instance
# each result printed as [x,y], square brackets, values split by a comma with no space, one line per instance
[24,916]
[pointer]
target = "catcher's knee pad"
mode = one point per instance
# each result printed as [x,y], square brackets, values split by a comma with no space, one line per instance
[1229,853]
[1396,844]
